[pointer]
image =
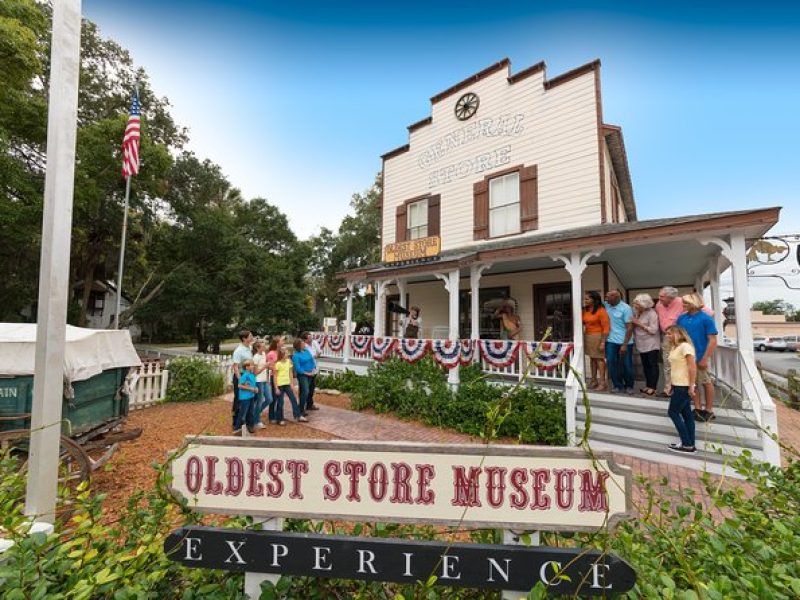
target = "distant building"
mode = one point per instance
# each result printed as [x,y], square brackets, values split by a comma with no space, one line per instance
[767,325]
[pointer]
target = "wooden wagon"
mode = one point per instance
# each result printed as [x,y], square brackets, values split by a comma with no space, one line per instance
[94,402]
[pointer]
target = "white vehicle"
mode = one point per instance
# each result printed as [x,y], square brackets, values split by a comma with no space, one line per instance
[769,343]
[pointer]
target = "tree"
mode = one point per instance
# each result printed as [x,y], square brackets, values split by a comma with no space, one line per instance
[357,244]
[774,307]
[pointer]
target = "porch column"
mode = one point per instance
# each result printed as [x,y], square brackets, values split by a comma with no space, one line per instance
[348,323]
[402,290]
[475,272]
[716,301]
[450,280]
[736,253]
[575,264]
[380,307]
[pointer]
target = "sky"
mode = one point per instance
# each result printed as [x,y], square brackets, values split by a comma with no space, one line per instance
[297,100]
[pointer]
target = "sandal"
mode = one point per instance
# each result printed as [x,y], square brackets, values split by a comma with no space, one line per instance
[648,392]
[593,383]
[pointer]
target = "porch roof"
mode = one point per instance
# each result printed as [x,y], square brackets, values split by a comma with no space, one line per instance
[663,241]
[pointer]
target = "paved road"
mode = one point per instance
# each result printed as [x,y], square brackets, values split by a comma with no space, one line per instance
[779,362]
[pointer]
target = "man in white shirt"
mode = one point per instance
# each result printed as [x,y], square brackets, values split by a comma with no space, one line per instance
[314,348]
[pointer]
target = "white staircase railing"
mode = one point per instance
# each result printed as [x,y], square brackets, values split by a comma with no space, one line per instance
[762,405]
[572,392]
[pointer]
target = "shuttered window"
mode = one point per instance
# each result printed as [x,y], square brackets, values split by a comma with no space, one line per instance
[418,218]
[506,203]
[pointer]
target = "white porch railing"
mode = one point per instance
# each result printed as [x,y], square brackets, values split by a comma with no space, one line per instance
[572,392]
[519,357]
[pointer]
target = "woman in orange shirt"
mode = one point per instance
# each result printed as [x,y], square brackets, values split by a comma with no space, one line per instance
[595,329]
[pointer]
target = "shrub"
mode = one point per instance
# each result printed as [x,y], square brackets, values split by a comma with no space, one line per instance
[420,391]
[193,379]
[345,381]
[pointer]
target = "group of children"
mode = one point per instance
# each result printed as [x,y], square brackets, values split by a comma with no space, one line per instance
[263,377]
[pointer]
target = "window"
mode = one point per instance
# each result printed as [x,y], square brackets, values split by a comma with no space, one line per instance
[488,299]
[418,220]
[96,303]
[504,205]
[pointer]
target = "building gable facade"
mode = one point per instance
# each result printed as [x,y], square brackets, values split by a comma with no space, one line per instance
[506,155]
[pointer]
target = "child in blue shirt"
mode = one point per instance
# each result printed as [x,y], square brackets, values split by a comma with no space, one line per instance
[248,390]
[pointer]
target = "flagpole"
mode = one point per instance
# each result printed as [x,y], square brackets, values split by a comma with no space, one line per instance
[122,249]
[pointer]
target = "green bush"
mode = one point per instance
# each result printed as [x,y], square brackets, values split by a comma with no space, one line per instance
[345,381]
[420,391]
[193,379]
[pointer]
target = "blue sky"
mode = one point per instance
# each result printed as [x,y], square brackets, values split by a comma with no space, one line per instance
[298,100]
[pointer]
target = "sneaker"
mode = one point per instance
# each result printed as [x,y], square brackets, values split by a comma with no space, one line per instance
[251,429]
[616,390]
[245,432]
[260,425]
[674,446]
[314,407]
[305,413]
[302,419]
[630,391]
[281,422]
[683,449]
[273,422]
[237,432]
[698,415]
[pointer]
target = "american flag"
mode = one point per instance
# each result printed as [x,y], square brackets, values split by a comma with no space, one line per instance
[130,143]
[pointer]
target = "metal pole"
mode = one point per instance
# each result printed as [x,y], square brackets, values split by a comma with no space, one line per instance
[122,250]
[48,390]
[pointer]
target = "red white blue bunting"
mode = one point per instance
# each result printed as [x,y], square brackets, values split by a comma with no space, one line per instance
[499,353]
[336,341]
[467,351]
[320,338]
[550,354]
[446,352]
[382,347]
[411,350]
[360,344]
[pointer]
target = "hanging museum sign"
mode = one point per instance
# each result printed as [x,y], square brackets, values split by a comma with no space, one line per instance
[501,486]
[427,247]
[564,570]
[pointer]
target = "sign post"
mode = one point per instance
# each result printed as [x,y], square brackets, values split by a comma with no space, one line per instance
[51,318]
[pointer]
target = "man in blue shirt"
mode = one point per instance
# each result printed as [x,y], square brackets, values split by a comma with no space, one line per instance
[305,368]
[619,344]
[703,332]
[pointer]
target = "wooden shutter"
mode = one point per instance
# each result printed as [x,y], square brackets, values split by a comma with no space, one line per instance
[480,209]
[529,198]
[401,227]
[434,215]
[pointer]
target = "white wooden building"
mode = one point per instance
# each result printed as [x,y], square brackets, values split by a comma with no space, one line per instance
[514,186]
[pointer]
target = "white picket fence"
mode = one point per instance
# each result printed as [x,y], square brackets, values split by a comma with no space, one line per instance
[147,384]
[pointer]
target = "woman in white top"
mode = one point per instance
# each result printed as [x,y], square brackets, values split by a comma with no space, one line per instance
[647,338]
[262,373]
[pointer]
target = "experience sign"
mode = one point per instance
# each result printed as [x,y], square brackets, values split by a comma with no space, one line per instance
[562,570]
[509,487]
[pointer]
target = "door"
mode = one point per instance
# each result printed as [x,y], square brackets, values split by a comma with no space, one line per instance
[552,308]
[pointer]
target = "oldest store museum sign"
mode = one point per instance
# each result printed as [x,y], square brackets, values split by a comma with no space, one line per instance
[510,487]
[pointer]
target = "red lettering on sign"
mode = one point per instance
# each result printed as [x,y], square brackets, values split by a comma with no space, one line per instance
[402,487]
[565,488]
[495,486]
[193,474]
[355,469]
[378,482]
[235,476]
[296,468]
[465,487]
[541,501]
[255,467]
[275,487]
[425,474]
[519,497]
[332,490]
[593,495]
[213,487]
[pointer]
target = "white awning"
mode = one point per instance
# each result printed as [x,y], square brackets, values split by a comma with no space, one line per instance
[88,351]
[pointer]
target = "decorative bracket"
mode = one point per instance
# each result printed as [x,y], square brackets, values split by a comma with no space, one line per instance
[575,264]
[727,249]
[445,278]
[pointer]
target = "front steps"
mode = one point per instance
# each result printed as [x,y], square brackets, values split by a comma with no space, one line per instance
[639,426]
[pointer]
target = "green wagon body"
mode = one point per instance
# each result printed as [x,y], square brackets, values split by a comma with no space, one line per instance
[97,401]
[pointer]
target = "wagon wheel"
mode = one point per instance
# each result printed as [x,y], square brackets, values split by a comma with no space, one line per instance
[73,465]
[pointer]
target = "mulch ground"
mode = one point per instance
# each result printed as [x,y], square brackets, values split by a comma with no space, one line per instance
[164,427]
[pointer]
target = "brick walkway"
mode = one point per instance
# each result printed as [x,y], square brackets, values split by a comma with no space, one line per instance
[354,425]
